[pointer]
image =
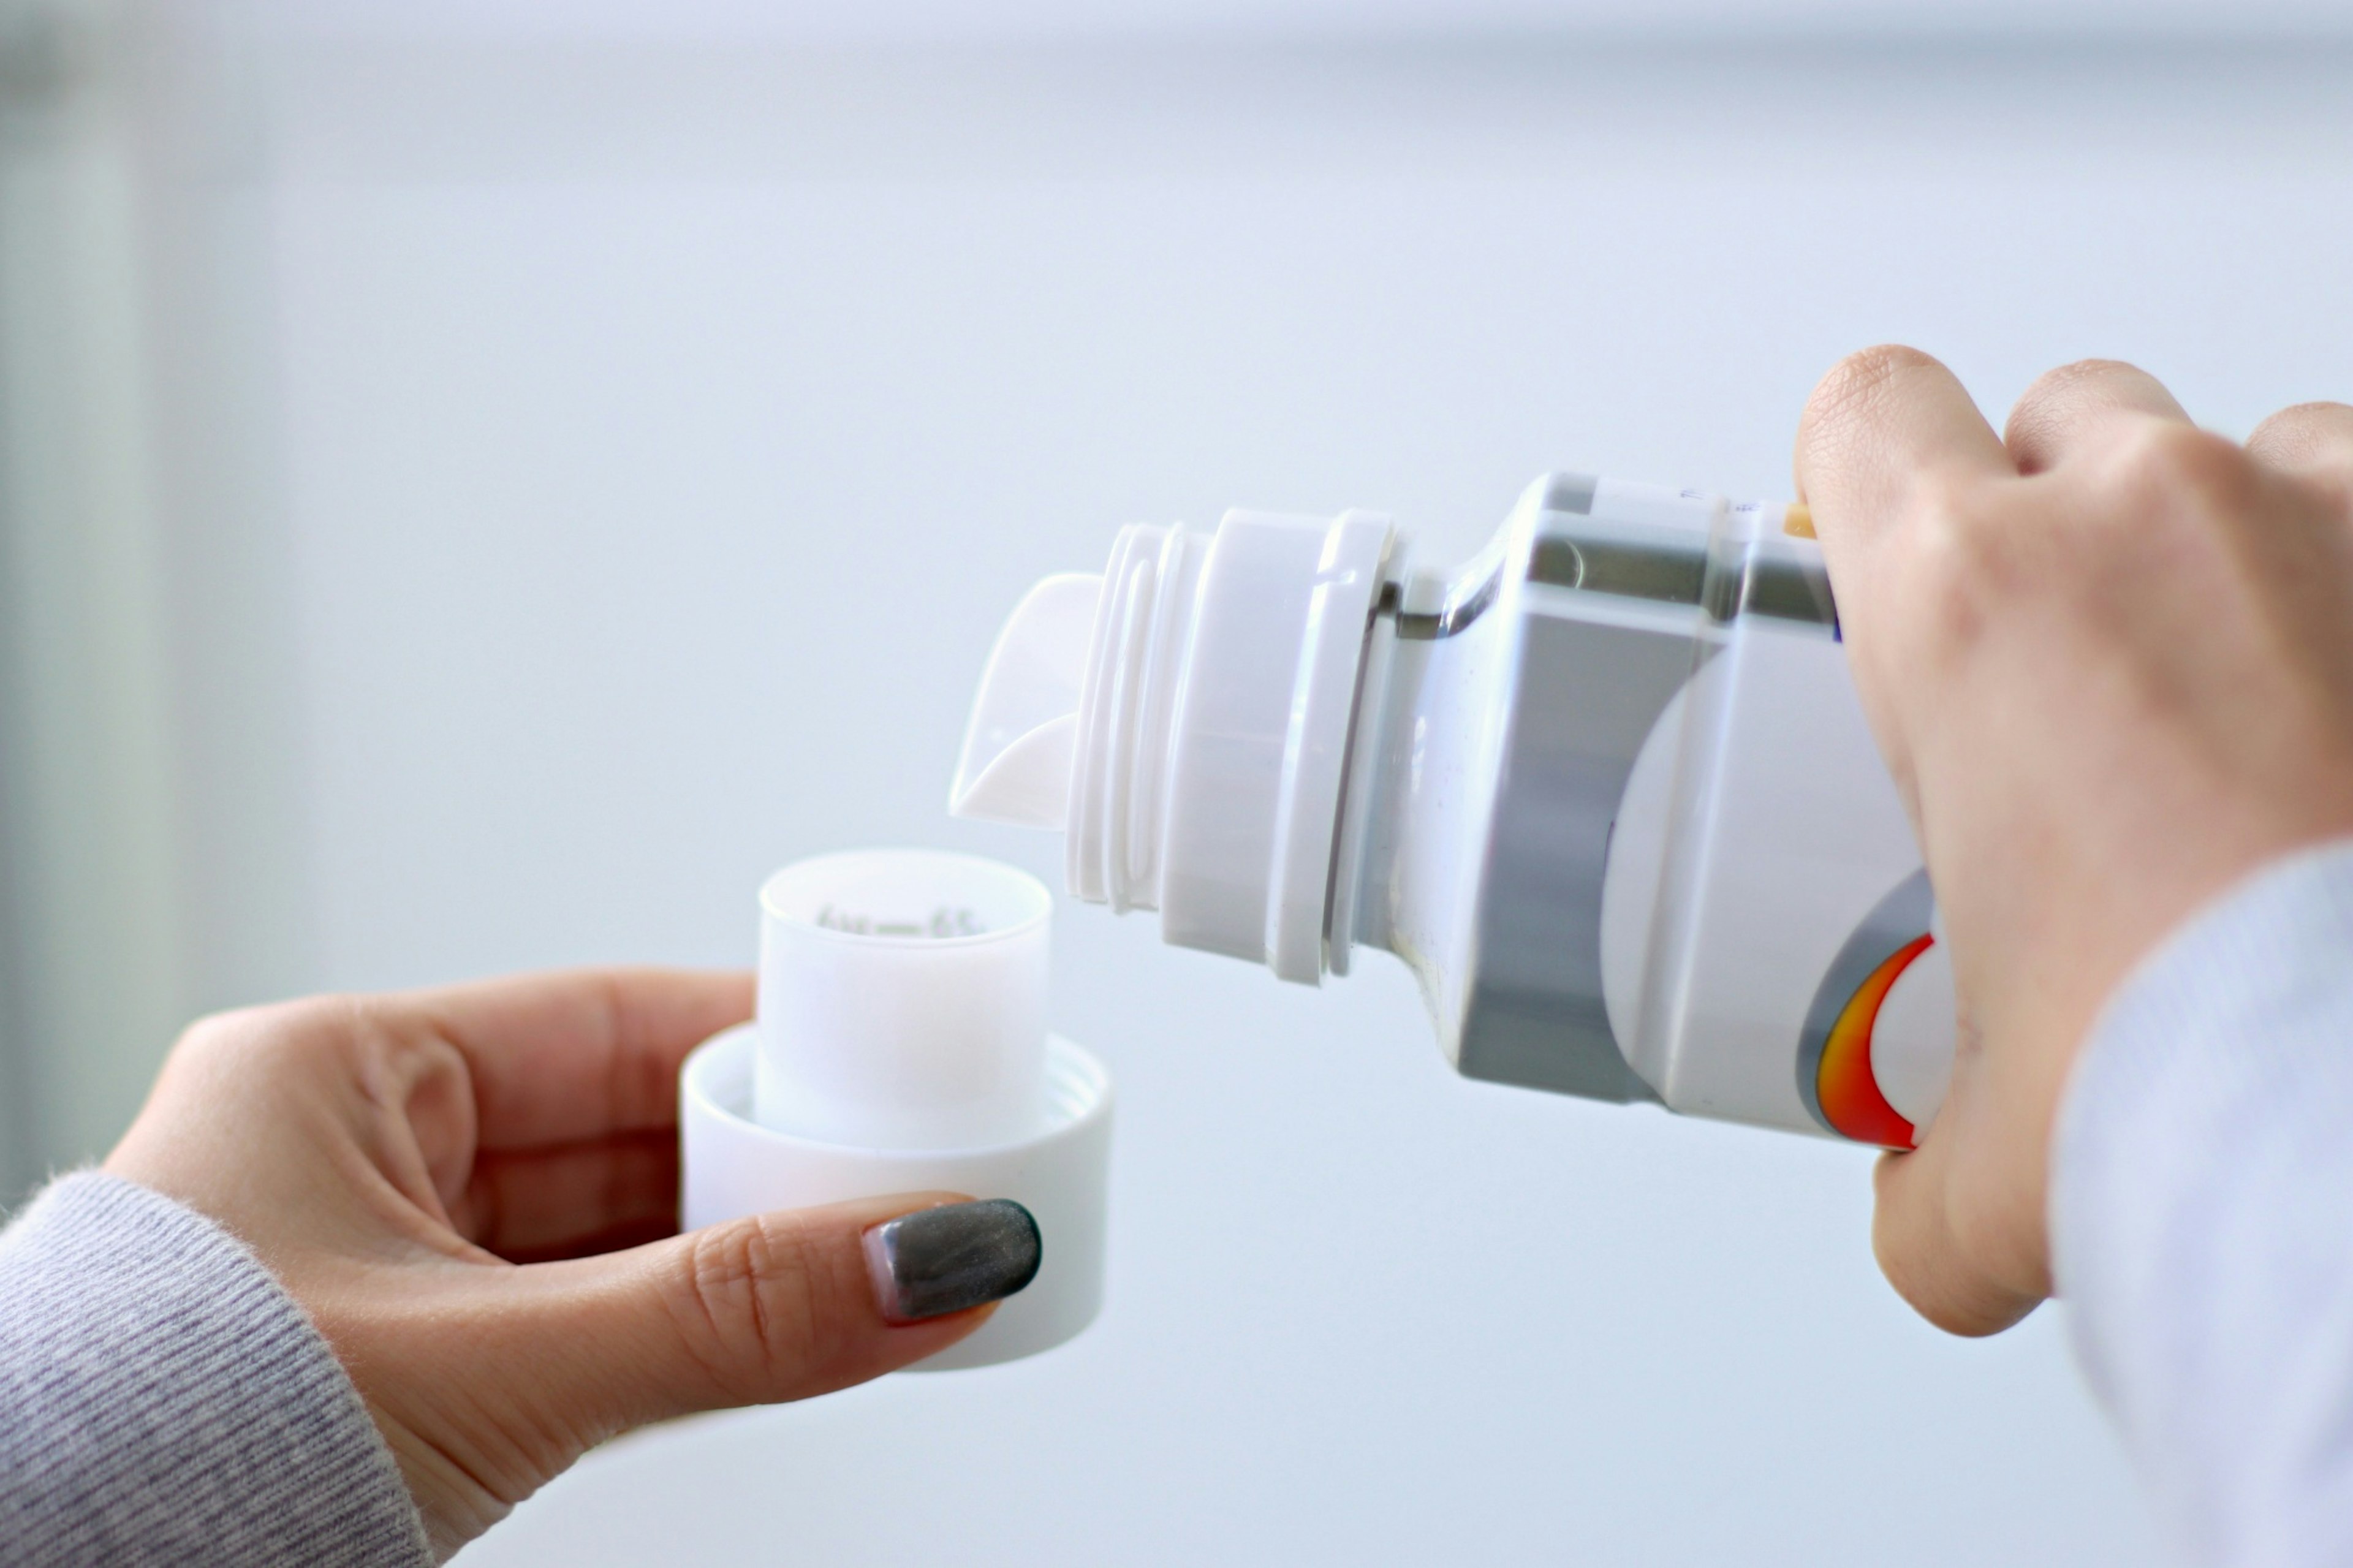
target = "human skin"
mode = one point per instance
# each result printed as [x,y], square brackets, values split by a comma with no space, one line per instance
[474,1192]
[2108,658]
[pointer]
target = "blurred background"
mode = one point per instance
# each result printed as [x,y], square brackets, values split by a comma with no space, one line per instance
[482,483]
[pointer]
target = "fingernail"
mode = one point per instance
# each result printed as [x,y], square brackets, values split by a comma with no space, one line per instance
[941,1260]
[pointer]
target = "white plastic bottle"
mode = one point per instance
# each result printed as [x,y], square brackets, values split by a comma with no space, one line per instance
[1605,790]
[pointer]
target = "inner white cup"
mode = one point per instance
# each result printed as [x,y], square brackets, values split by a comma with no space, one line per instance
[902,1001]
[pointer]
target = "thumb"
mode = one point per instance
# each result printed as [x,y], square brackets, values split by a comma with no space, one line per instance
[488,1382]
[778,1306]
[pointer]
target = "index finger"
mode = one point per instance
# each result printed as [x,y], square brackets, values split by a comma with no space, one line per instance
[1880,422]
[570,1055]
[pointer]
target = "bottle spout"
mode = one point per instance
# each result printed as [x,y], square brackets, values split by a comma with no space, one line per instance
[1018,751]
[1185,719]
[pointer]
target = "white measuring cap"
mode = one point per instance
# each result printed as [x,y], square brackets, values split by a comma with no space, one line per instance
[900,1045]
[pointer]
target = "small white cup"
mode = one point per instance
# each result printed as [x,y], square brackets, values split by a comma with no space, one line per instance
[902,1001]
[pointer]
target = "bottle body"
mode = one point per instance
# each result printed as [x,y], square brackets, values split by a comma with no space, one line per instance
[1639,843]
[1606,791]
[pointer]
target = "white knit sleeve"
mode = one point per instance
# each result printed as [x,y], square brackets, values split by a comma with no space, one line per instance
[2201,1210]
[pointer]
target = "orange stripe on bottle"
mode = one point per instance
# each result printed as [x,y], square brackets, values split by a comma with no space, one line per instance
[1848,1091]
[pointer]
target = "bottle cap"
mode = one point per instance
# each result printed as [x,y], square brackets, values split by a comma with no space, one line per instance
[900,1045]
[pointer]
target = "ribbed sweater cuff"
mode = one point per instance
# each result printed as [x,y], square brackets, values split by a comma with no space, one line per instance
[163,1400]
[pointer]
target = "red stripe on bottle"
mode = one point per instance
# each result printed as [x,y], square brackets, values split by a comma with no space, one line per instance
[1844,1083]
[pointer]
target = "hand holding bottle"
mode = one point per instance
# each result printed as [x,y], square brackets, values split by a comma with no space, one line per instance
[2109,659]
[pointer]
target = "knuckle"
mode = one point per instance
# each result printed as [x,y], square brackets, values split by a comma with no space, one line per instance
[751,1298]
[2164,460]
[262,1033]
[2090,369]
[2303,430]
[2063,378]
[1856,382]
[2298,414]
[2164,487]
[1926,1252]
[216,1034]
[2047,401]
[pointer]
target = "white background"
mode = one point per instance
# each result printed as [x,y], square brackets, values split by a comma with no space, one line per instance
[1357,20]
[669,424]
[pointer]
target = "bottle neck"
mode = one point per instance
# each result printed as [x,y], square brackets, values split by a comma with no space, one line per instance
[1215,724]
[1127,715]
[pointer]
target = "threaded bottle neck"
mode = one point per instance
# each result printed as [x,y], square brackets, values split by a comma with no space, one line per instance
[1120,763]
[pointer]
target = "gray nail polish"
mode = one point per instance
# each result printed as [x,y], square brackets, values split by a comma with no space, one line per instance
[941,1260]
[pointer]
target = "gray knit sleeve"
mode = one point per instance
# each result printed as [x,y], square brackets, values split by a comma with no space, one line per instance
[163,1401]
